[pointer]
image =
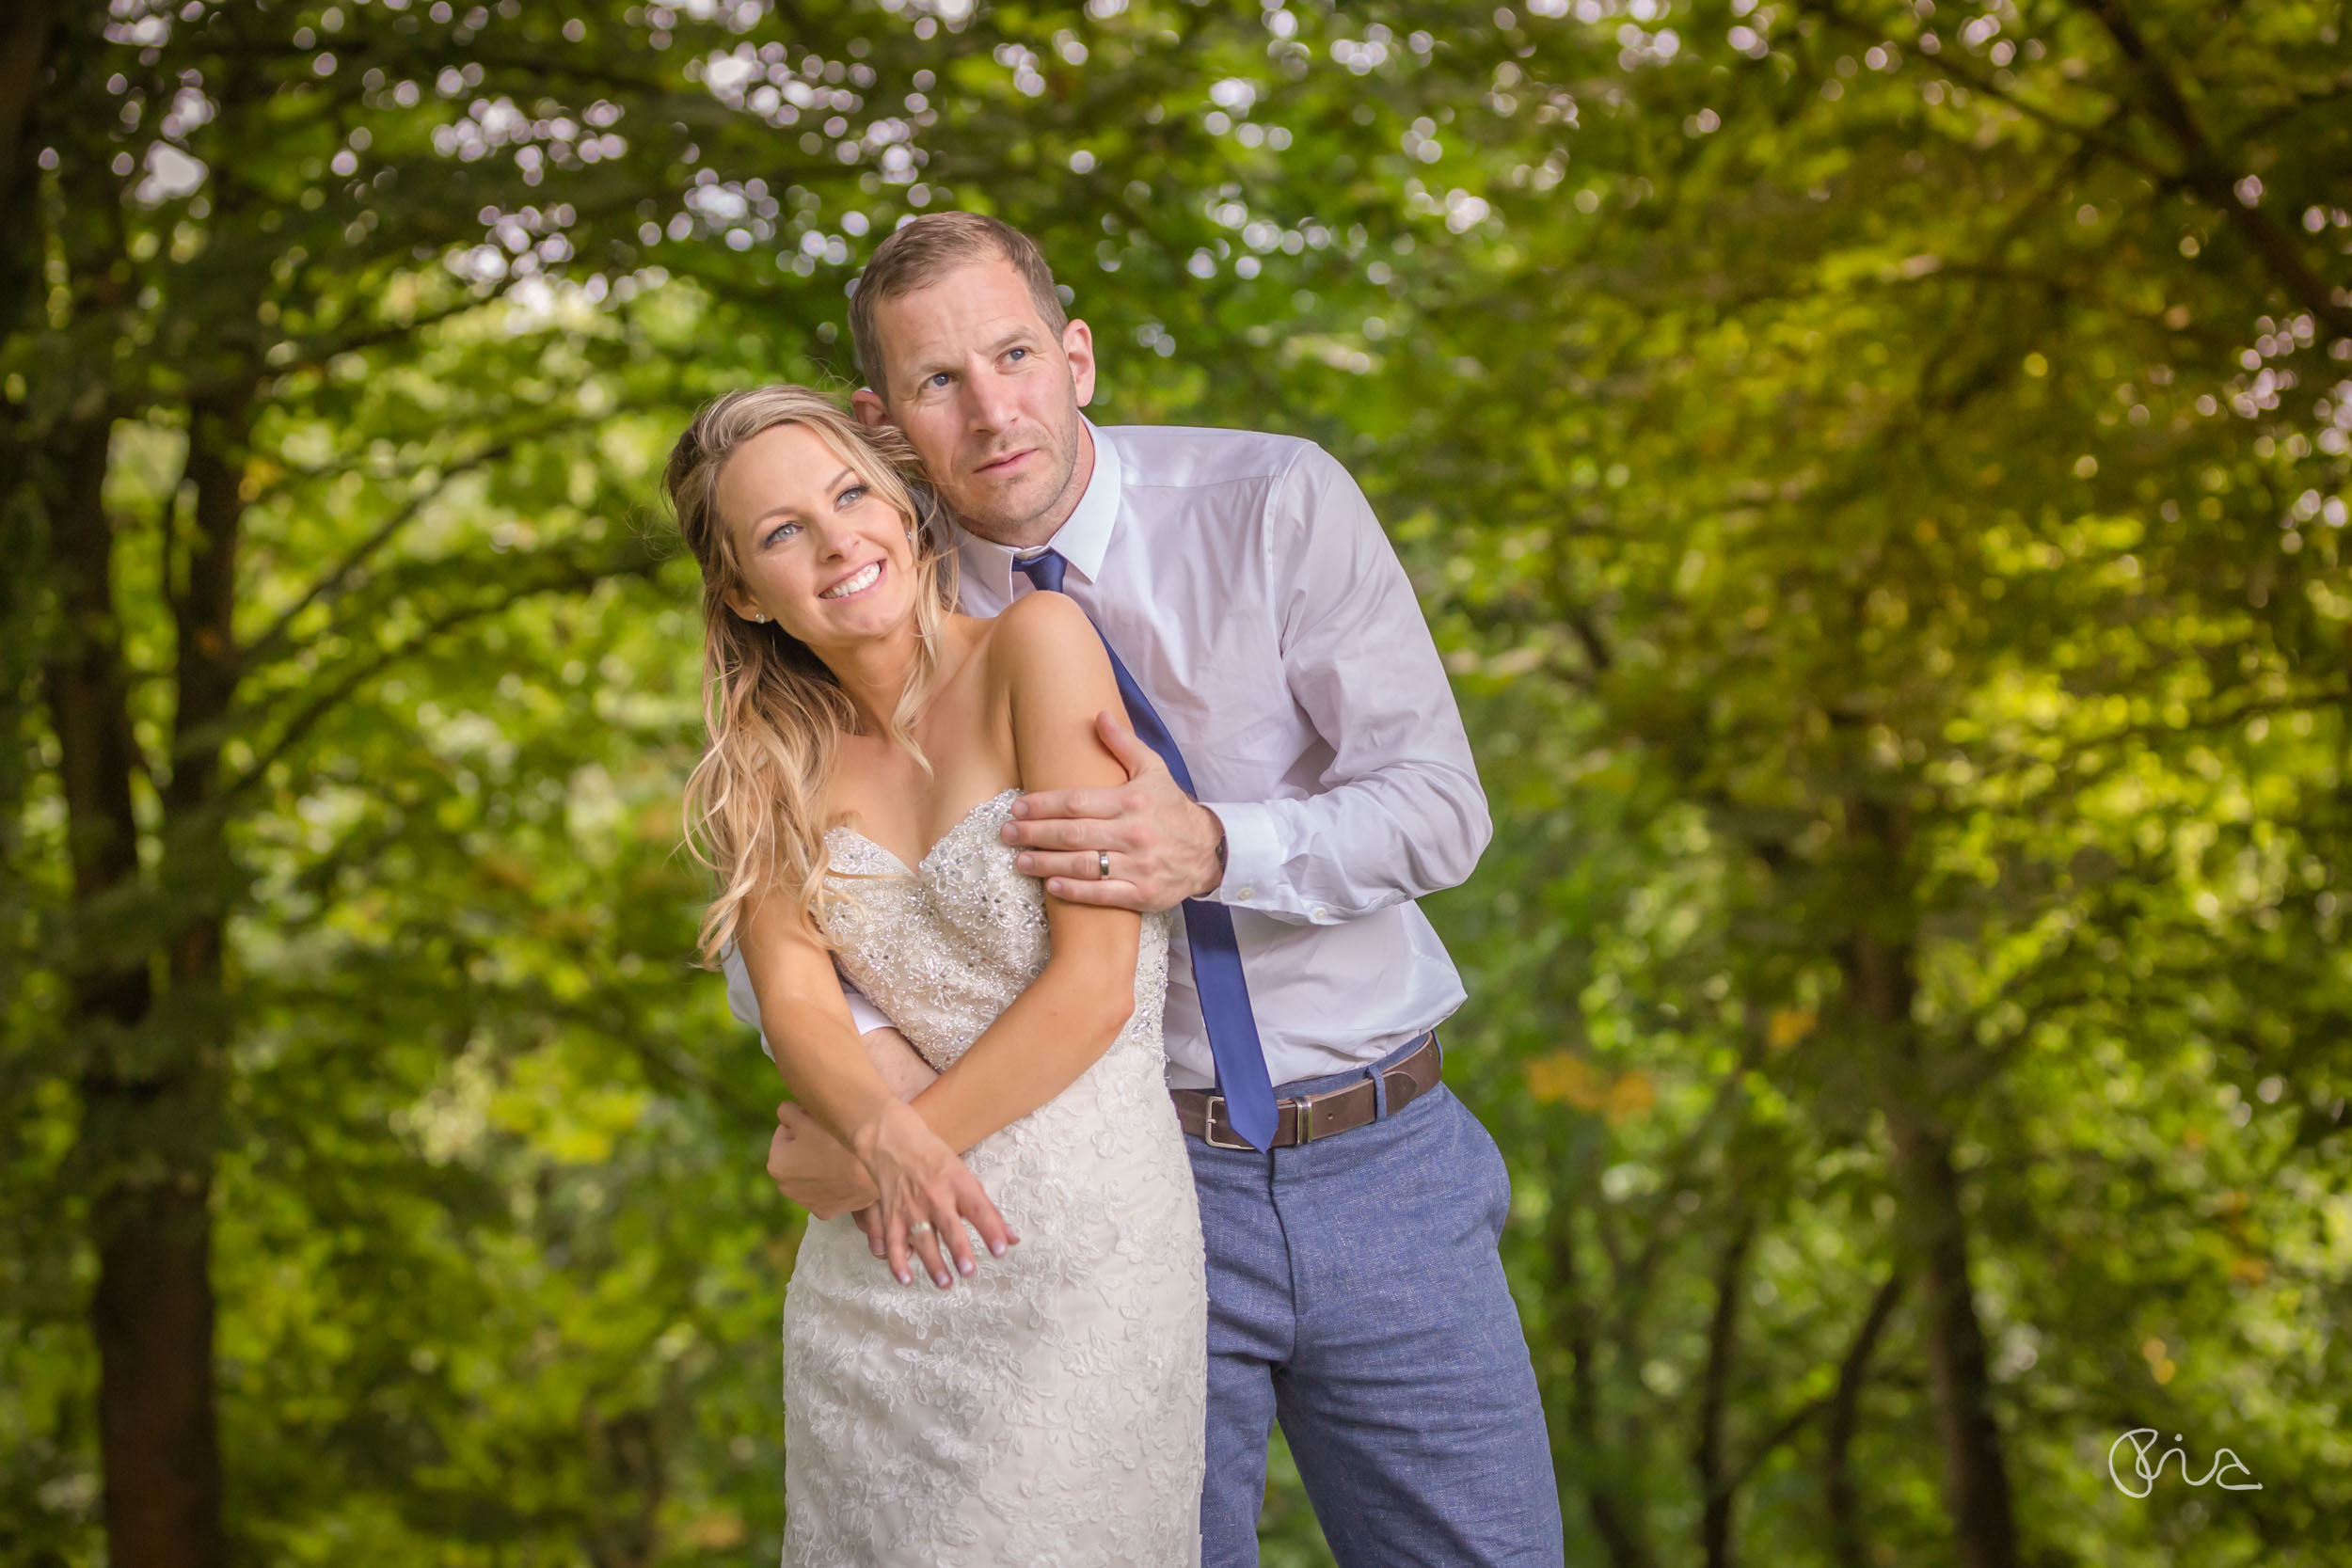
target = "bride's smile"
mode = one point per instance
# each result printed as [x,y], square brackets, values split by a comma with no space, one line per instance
[856,582]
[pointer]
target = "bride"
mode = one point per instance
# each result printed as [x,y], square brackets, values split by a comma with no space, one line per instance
[866,743]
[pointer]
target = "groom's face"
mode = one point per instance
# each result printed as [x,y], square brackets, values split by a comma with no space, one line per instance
[990,397]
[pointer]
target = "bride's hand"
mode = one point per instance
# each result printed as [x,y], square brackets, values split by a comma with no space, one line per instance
[927,1195]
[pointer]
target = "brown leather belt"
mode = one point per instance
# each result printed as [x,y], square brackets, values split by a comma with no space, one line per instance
[1303,1121]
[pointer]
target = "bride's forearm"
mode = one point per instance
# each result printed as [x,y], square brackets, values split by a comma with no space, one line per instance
[1037,1046]
[826,1067]
[807,1023]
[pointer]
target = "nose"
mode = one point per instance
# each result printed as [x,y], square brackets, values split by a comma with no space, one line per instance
[988,401]
[833,536]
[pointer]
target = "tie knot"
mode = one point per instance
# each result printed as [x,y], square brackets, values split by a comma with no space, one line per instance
[1044,569]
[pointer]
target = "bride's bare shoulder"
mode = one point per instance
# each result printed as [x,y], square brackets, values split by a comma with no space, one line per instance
[1045,648]
[1044,626]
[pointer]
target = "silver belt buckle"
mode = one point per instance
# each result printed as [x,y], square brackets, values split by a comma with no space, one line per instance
[1208,1129]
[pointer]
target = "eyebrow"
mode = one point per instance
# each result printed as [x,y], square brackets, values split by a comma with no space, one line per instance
[832,484]
[925,369]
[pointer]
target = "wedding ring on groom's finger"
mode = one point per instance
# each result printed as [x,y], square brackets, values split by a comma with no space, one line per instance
[1102,866]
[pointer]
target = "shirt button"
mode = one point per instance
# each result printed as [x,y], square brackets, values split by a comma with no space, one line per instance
[1245,894]
[1319,912]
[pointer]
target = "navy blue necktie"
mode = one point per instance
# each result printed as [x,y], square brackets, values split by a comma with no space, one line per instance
[1241,1073]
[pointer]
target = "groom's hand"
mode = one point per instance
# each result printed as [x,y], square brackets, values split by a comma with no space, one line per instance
[809,1167]
[1163,845]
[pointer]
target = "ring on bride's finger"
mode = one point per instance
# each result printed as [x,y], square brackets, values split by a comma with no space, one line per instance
[1102,865]
[919,1228]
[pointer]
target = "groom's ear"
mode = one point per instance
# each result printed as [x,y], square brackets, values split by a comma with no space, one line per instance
[1078,346]
[869,408]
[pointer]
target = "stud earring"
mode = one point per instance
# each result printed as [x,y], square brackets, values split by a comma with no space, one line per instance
[760,617]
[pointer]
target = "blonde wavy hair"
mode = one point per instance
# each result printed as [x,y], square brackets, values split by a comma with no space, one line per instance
[774,713]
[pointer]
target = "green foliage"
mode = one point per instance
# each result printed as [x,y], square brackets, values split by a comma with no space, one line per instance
[1878,474]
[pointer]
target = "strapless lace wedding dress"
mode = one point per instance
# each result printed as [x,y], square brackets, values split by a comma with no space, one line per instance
[1050,1409]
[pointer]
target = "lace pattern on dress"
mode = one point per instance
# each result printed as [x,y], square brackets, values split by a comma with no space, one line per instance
[1050,1410]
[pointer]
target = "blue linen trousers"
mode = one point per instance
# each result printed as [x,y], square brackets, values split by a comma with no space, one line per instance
[1356,1294]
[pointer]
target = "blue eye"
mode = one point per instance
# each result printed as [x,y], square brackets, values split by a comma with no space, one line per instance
[780,531]
[850,496]
[1018,353]
[939,379]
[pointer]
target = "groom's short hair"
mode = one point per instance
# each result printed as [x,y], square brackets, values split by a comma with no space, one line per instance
[922,251]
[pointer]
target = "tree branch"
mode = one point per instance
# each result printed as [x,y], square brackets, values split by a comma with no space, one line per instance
[1976,81]
[1718,1489]
[2207,172]
[1844,1415]
[332,582]
[1675,1171]
[1618,1526]
[367,670]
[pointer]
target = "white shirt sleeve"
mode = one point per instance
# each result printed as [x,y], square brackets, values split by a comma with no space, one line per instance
[744,1002]
[1400,812]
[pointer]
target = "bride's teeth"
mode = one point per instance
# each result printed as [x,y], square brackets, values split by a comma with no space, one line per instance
[857,584]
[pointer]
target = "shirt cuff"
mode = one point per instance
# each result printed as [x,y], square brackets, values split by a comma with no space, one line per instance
[741,1001]
[864,1014]
[744,1002]
[1253,864]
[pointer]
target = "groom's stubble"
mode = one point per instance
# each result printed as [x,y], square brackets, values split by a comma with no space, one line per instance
[1021,526]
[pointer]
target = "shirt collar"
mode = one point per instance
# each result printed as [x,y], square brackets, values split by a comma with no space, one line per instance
[1085,536]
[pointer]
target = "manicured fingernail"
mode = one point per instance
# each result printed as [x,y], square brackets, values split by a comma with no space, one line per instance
[964,1266]
[905,1278]
[997,1248]
[942,1281]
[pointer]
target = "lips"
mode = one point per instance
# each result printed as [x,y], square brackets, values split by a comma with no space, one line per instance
[855,583]
[998,464]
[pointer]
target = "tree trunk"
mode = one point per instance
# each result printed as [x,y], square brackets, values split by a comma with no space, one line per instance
[1935,1235]
[628,1453]
[1976,1478]
[147,1107]
[153,1317]
[23,55]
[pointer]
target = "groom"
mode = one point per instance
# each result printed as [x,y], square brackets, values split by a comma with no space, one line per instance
[1300,776]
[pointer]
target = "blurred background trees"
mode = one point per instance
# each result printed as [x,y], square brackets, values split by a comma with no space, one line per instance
[1879,476]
